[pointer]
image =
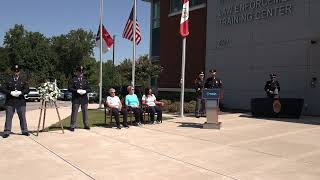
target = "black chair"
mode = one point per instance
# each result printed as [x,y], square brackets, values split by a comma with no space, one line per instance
[108,112]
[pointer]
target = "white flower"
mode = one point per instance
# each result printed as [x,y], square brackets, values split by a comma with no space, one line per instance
[49,91]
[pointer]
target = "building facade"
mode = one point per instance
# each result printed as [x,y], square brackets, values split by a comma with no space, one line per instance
[166,42]
[249,39]
[245,40]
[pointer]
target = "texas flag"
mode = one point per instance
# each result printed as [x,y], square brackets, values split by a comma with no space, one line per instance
[184,29]
[107,40]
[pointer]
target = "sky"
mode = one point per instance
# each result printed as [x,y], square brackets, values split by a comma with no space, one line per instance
[55,17]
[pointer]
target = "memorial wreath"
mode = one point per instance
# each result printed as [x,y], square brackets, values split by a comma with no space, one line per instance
[49,91]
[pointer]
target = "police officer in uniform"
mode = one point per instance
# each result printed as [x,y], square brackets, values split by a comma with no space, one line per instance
[213,81]
[199,86]
[79,86]
[15,88]
[272,87]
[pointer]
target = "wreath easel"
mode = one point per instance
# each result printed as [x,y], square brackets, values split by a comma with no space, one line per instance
[49,93]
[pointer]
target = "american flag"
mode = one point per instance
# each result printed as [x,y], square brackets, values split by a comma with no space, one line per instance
[128,30]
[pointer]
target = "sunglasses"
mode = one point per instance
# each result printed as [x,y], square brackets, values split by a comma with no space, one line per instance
[112,92]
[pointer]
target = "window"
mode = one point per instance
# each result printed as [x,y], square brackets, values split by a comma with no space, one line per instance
[156,15]
[176,5]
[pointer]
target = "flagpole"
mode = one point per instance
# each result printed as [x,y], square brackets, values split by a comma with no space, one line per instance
[134,42]
[100,84]
[113,49]
[183,68]
[113,55]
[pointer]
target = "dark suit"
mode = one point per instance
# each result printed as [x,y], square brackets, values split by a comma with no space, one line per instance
[199,86]
[77,99]
[213,83]
[15,103]
[272,88]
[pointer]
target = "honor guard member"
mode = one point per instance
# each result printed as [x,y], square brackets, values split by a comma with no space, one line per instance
[15,88]
[199,86]
[79,86]
[213,81]
[272,87]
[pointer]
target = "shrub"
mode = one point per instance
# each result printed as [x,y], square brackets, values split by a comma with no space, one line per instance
[175,96]
[172,107]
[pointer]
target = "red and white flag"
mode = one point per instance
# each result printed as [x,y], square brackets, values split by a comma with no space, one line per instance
[107,40]
[184,23]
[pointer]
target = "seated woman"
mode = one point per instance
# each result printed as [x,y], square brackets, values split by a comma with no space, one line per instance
[150,101]
[115,105]
[132,104]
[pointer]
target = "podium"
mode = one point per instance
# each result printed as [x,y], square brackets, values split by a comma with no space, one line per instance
[212,97]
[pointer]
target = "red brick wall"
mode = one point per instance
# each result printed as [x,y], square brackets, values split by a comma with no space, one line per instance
[171,46]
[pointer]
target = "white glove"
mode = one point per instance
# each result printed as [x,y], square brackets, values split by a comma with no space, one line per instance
[13,93]
[18,93]
[81,91]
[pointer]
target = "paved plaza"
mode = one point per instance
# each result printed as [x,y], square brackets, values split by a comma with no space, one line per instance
[245,148]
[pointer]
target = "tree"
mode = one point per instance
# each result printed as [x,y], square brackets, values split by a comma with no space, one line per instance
[124,69]
[4,60]
[144,71]
[72,50]
[32,51]
[14,42]
[91,72]
[4,64]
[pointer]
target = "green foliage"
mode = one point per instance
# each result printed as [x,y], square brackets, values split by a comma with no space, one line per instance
[144,71]
[44,58]
[74,49]
[174,106]
[175,96]
[125,71]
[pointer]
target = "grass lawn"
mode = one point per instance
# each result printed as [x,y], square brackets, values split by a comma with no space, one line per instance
[96,118]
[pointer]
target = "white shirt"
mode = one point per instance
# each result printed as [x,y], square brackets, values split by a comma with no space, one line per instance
[150,100]
[113,101]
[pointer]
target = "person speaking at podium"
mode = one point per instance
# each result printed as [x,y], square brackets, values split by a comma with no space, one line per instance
[213,81]
[212,95]
[272,87]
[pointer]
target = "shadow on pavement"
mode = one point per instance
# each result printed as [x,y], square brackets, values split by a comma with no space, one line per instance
[190,125]
[304,120]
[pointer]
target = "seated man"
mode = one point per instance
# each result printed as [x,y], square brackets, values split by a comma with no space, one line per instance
[115,105]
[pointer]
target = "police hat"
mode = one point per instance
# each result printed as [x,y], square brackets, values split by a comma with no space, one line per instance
[80,69]
[273,75]
[201,73]
[212,71]
[15,68]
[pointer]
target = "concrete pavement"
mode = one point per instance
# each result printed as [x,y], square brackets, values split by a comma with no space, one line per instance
[245,148]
